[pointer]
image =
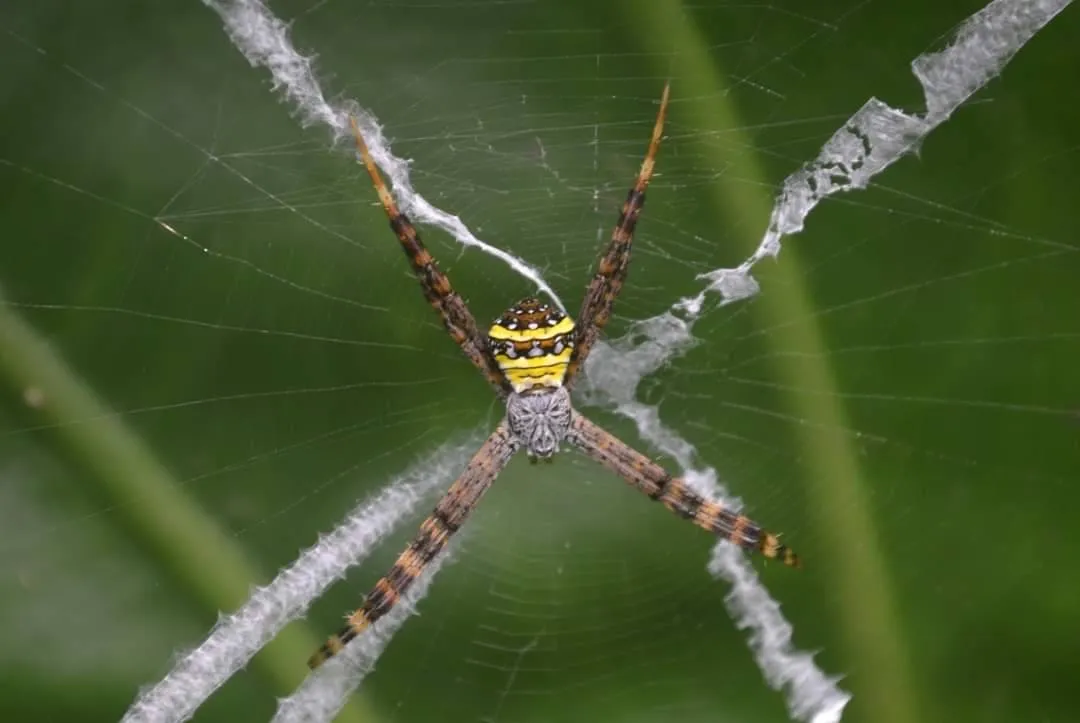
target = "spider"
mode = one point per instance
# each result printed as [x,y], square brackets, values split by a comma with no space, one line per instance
[531,356]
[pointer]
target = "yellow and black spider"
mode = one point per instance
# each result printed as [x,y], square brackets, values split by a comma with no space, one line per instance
[531,356]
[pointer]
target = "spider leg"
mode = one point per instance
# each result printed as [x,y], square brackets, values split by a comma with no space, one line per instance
[611,272]
[440,294]
[447,518]
[650,478]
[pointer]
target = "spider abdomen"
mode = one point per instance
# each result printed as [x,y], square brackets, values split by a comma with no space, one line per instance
[532,344]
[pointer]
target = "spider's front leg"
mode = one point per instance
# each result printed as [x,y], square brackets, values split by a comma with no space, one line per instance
[611,272]
[447,518]
[440,294]
[672,492]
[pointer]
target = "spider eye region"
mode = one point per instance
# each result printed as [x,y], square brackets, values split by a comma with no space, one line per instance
[532,343]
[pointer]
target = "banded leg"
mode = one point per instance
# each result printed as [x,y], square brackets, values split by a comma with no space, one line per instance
[649,477]
[440,294]
[611,272]
[447,518]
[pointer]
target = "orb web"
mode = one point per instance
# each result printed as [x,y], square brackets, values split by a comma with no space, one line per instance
[212,264]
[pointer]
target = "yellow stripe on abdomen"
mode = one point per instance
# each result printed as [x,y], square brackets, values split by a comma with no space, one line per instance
[548,376]
[542,330]
[524,362]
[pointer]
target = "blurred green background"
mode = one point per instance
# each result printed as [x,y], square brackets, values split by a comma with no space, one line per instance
[902,400]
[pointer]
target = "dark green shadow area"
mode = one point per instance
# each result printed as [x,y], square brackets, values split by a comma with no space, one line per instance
[144,498]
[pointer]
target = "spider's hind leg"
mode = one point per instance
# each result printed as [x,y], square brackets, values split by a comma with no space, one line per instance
[457,318]
[611,269]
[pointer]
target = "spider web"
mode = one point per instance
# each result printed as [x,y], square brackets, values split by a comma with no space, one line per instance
[899,398]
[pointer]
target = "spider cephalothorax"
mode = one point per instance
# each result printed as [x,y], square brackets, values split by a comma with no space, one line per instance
[540,419]
[530,357]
